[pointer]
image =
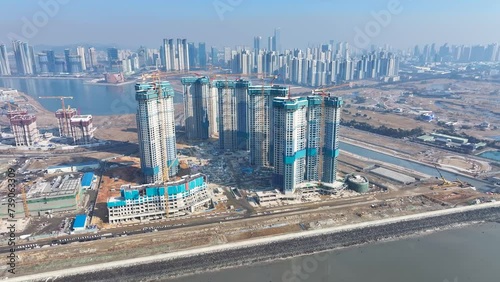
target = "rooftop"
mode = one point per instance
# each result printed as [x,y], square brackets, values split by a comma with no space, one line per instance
[87,179]
[79,118]
[80,221]
[65,186]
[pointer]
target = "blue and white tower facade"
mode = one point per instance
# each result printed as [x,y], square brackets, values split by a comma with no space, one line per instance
[156,130]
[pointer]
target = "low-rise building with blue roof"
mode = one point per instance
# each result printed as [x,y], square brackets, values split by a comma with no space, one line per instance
[87,180]
[80,222]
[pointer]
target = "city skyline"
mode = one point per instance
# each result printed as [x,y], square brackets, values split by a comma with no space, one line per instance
[229,23]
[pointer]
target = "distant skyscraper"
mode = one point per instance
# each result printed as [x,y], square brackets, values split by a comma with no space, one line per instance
[51,58]
[43,62]
[113,57]
[142,55]
[24,56]
[257,43]
[193,55]
[198,107]
[156,130]
[80,51]
[277,40]
[260,122]
[92,57]
[233,97]
[4,61]
[202,55]
[214,56]
[68,64]
[270,43]
[74,64]
[174,55]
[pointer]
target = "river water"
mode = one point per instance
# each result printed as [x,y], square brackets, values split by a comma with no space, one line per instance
[469,254]
[411,165]
[88,98]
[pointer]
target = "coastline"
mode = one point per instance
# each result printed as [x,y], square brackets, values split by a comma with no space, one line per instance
[46,77]
[273,248]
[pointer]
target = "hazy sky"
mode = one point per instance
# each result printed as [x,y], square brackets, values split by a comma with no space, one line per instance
[236,22]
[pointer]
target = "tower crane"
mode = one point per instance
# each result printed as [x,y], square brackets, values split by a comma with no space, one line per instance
[66,124]
[25,200]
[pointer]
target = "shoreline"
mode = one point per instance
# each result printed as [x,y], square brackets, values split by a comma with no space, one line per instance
[368,146]
[260,250]
[45,77]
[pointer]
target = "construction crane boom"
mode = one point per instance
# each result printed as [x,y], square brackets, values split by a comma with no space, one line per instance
[66,124]
[25,201]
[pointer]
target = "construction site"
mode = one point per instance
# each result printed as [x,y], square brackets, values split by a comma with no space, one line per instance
[377,177]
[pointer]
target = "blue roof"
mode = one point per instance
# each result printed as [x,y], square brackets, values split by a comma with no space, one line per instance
[87,179]
[80,220]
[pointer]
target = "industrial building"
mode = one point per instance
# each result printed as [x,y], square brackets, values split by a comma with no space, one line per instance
[88,179]
[233,102]
[63,121]
[260,119]
[62,194]
[306,147]
[156,130]
[82,129]
[147,202]
[23,127]
[200,106]
[85,166]
[357,183]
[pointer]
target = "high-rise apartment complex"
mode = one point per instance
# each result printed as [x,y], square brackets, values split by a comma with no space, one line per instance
[25,59]
[200,103]
[174,55]
[156,130]
[260,121]
[4,61]
[92,57]
[233,127]
[308,127]
[290,142]
[80,51]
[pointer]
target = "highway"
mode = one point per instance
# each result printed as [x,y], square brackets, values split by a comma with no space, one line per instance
[178,223]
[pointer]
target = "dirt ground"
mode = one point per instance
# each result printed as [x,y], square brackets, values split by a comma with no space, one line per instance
[114,178]
[65,256]
[478,103]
